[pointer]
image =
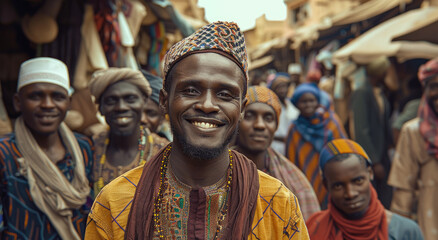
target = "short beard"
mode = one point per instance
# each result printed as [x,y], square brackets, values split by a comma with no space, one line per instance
[201,153]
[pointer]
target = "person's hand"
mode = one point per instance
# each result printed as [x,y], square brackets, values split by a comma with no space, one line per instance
[379,171]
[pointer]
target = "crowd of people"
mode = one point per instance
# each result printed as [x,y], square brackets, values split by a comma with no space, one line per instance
[240,161]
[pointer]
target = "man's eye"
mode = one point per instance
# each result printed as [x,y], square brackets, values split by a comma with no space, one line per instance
[190,91]
[337,186]
[225,95]
[110,101]
[131,98]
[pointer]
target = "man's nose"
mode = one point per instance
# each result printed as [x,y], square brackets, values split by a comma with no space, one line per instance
[207,103]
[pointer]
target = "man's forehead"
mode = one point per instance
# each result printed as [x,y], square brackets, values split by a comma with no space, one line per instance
[42,86]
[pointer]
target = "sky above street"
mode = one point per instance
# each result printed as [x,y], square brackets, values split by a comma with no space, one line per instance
[243,12]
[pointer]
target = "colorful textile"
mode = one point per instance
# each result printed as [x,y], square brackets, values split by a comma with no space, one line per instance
[51,192]
[305,88]
[224,37]
[281,168]
[110,172]
[241,203]
[415,180]
[43,70]
[102,79]
[332,225]
[22,219]
[264,95]
[156,84]
[338,147]
[304,142]
[428,70]
[277,214]
[313,76]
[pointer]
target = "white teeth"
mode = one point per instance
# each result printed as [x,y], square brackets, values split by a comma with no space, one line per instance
[204,125]
[122,120]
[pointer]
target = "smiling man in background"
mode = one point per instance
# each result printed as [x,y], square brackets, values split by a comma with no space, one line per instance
[45,169]
[121,94]
[197,188]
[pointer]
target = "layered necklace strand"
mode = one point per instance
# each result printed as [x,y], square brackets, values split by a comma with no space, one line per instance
[163,186]
[142,141]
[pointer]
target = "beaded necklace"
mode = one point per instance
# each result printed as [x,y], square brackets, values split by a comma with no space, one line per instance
[163,186]
[144,135]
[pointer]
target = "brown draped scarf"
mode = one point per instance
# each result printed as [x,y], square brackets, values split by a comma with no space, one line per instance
[242,205]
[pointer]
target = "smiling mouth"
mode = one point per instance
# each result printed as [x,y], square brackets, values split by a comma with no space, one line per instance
[205,125]
[123,120]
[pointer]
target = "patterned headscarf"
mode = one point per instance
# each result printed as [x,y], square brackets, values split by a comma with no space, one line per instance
[428,118]
[305,88]
[428,71]
[224,38]
[102,79]
[264,95]
[340,146]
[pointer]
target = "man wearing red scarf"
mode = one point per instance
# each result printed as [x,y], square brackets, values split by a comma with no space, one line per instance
[413,173]
[354,211]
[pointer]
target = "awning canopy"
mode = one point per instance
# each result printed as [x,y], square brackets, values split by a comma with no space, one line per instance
[377,41]
[360,13]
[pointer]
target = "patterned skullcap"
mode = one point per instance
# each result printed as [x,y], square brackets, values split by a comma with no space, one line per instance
[264,95]
[219,37]
[428,71]
[102,79]
[340,146]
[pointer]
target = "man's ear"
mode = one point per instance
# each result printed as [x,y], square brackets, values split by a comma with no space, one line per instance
[16,102]
[243,106]
[164,101]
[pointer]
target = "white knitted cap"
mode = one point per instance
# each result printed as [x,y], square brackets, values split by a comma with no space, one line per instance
[43,70]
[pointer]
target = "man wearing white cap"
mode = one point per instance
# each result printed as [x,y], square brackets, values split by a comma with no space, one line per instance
[45,168]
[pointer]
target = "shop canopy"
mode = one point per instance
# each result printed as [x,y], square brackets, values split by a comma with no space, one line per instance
[378,41]
[360,13]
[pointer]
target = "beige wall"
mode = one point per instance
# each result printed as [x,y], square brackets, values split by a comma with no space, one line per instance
[264,31]
[313,11]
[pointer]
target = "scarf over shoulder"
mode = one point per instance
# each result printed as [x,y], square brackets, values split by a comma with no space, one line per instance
[332,225]
[242,205]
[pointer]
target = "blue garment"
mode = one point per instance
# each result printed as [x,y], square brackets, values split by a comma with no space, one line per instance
[306,88]
[401,228]
[21,218]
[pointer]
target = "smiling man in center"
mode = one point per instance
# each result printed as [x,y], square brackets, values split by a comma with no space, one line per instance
[197,188]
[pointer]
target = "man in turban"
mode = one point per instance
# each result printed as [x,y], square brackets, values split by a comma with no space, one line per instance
[414,169]
[121,94]
[354,211]
[45,168]
[197,188]
[256,131]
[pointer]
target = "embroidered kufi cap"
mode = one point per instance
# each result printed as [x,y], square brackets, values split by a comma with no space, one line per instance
[221,37]
[43,70]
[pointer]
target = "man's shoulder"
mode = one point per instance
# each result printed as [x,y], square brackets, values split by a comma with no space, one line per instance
[83,140]
[124,184]
[8,146]
[270,186]
[403,228]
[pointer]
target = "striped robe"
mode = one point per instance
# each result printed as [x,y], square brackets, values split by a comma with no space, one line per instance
[306,157]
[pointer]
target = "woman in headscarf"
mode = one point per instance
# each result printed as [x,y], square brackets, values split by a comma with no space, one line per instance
[315,126]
